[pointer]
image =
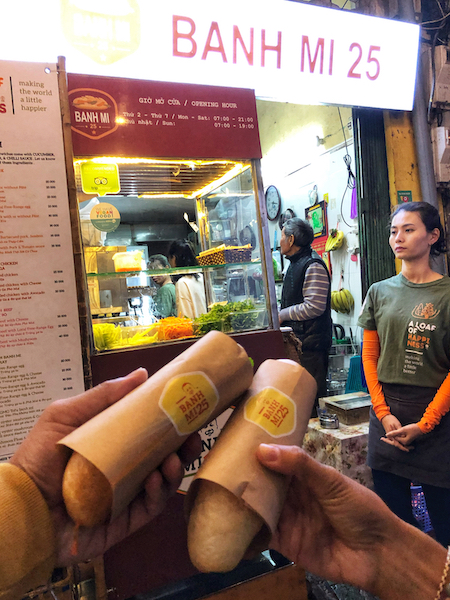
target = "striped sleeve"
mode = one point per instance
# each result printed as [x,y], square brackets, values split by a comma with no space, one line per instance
[315,294]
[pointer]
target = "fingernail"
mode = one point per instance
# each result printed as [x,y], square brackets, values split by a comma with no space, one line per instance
[269,453]
[139,369]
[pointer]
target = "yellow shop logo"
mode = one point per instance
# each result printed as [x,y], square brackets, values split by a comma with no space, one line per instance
[273,411]
[189,400]
[104,31]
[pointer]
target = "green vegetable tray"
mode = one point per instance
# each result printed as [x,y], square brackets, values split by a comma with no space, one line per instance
[247,320]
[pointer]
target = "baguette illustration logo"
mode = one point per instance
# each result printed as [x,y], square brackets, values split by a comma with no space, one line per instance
[189,400]
[425,312]
[93,113]
[104,31]
[273,411]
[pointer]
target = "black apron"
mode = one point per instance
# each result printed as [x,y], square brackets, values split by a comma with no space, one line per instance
[429,461]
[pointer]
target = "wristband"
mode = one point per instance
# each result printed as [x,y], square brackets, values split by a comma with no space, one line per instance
[443,586]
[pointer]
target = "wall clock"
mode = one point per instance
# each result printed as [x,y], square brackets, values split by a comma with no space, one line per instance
[273,202]
[288,214]
[313,196]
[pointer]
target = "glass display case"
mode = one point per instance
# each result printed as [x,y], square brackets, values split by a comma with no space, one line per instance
[210,204]
[158,163]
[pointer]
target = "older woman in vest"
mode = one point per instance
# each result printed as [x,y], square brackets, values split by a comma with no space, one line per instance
[305,299]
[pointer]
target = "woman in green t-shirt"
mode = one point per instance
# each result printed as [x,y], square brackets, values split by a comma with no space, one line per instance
[406,357]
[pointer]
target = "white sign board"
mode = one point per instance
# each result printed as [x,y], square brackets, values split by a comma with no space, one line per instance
[40,346]
[285,51]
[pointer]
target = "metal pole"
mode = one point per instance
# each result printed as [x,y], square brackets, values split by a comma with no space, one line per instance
[422,135]
[266,252]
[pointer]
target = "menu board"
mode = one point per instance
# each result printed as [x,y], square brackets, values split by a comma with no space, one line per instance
[132,117]
[40,345]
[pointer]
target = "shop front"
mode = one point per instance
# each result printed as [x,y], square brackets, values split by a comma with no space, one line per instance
[170,150]
[158,164]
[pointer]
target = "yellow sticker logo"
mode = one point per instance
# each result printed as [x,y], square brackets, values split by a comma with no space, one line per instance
[189,400]
[273,411]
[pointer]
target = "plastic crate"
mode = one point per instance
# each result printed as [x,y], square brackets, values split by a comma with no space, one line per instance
[236,255]
[419,507]
[211,257]
[224,255]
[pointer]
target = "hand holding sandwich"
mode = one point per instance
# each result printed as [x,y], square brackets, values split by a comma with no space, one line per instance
[338,529]
[44,461]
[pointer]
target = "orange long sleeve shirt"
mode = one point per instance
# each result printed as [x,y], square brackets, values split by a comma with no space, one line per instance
[434,412]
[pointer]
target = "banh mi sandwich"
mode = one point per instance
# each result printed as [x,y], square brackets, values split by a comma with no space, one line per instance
[88,102]
[116,450]
[234,503]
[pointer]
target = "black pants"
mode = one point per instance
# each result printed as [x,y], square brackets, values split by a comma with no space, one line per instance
[395,491]
[316,363]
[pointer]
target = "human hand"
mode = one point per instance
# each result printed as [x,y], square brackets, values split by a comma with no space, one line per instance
[330,525]
[392,424]
[44,461]
[405,435]
[337,529]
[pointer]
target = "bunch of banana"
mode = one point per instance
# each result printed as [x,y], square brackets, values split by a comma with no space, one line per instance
[342,301]
[335,240]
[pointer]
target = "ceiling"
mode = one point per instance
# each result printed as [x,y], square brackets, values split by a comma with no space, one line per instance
[183,178]
[133,209]
[177,179]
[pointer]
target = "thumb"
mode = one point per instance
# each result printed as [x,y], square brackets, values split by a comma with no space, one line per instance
[289,460]
[395,433]
[81,408]
[322,481]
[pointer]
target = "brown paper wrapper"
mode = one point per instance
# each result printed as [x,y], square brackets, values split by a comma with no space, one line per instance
[131,438]
[275,410]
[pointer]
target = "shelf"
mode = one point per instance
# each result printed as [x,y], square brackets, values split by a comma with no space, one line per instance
[342,346]
[176,271]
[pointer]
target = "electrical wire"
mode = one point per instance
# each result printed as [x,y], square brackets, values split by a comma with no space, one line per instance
[434,21]
[351,179]
[440,7]
[440,22]
[343,130]
[433,77]
[438,34]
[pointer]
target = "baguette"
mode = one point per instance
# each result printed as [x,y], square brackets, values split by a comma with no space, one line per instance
[90,504]
[221,528]
[116,450]
[234,503]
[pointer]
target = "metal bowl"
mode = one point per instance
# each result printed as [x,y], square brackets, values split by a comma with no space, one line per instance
[329,421]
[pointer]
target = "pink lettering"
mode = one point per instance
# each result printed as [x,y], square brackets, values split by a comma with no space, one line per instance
[265,47]
[330,67]
[238,37]
[177,35]
[312,62]
[214,29]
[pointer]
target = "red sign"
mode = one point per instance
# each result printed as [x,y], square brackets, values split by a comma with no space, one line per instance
[137,118]
[319,246]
